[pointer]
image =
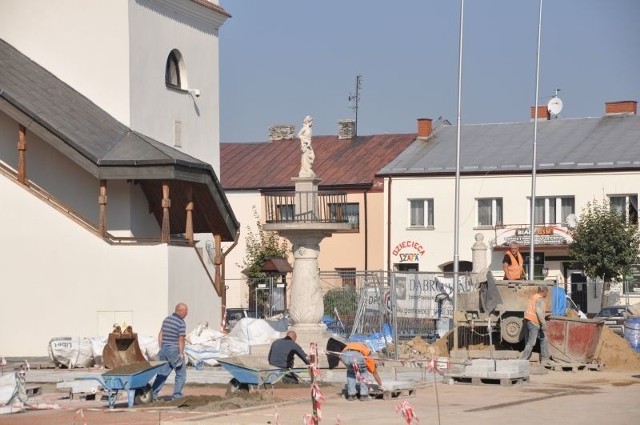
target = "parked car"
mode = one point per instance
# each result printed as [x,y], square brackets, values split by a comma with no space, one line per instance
[235,314]
[614,316]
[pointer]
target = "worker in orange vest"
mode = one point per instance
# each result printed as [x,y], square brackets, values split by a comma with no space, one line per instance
[512,263]
[357,354]
[535,325]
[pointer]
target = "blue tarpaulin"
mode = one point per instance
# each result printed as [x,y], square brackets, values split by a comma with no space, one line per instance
[558,301]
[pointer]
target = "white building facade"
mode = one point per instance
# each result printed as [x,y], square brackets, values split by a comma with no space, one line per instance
[580,161]
[112,190]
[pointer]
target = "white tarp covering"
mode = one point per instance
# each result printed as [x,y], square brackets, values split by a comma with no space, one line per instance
[248,332]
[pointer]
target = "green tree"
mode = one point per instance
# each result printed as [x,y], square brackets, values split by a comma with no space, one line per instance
[261,246]
[604,243]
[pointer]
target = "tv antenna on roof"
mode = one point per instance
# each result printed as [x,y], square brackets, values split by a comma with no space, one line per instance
[356,98]
[555,104]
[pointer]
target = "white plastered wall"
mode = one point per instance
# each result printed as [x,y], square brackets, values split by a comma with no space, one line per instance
[84,43]
[153,36]
[515,191]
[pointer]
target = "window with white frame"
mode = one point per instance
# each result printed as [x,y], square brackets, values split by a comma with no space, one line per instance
[553,209]
[627,205]
[489,211]
[421,213]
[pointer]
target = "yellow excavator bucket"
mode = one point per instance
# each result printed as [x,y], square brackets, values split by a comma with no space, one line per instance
[122,348]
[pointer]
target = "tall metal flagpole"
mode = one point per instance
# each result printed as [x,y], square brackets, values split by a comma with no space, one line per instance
[533,164]
[456,226]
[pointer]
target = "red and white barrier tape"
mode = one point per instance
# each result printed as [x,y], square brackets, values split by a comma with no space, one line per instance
[407,412]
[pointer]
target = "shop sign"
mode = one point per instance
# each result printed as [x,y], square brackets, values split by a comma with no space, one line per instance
[543,235]
[408,252]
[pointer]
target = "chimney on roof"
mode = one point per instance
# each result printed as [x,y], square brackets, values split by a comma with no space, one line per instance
[424,127]
[629,107]
[346,129]
[281,131]
[543,113]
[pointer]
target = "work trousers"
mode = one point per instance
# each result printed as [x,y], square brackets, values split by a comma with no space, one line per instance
[176,362]
[349,358]
[532,332]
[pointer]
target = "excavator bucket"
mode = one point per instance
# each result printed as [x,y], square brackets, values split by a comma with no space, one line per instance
[122,349]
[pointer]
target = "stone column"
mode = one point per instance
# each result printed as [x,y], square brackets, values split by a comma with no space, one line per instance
[479,254]
[306,298]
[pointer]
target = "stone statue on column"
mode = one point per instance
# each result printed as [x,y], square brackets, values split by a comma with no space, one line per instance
[308,155]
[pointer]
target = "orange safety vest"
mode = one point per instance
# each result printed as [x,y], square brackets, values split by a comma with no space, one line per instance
[362,348]
[530,314]
[514,270]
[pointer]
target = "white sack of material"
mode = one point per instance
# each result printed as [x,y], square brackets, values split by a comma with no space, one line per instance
[202,355]
[97,347]
[149,347]
[204,335]
[71,351]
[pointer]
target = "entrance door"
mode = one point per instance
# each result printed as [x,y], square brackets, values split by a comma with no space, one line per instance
[578,288]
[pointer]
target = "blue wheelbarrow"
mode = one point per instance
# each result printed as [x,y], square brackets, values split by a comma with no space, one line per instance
[133,378]
[248,377]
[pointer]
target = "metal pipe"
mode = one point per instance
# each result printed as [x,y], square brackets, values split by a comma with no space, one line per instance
[534,160]
[456,230]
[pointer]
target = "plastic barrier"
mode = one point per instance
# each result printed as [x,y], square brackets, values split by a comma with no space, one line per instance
[632,332]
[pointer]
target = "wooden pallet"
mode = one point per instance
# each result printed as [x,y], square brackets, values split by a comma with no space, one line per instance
[33,390]
[396,393]
[574,367]
[475,380]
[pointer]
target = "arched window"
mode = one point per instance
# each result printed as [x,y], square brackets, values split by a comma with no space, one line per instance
[174,75]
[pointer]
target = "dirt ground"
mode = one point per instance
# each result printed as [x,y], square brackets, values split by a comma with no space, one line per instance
[198,399]
[621,369]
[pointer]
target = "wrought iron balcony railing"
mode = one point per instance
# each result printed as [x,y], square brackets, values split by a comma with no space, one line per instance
[306,207]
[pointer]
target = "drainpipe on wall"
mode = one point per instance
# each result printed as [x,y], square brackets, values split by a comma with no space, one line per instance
[389,227]
[223,286]
[366,233]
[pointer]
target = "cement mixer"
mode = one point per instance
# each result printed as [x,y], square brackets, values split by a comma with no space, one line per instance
[122,348]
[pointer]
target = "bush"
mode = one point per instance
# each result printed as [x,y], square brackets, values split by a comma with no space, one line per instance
[345,300]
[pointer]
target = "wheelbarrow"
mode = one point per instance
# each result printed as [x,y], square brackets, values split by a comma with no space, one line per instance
[250,377]
[133,378]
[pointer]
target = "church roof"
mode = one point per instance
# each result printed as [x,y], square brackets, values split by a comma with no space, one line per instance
[103,146]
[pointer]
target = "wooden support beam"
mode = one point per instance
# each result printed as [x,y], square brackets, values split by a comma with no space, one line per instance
[22,154]
[189,212]
[217,262]
[102,202]
[166,205]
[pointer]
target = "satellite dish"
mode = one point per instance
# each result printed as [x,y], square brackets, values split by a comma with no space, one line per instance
[572,221]
[555,105]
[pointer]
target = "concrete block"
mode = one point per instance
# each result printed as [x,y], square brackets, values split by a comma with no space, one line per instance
[515,366]
[488,363]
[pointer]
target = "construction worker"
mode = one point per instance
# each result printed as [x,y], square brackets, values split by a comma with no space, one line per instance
[356,357]
[512,263]
[535,325]
[281,355]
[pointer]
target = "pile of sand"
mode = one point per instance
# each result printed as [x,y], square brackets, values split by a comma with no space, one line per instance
[615,352]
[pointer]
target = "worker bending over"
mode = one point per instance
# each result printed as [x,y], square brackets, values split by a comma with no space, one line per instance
[357,355]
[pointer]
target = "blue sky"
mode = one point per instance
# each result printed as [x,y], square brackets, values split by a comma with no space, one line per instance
[281,60]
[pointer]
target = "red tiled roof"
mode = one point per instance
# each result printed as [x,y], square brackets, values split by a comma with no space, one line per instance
[338,162]
[212,6]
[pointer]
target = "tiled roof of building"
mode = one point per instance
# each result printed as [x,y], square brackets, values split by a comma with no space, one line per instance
[338,162]
[609,142]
